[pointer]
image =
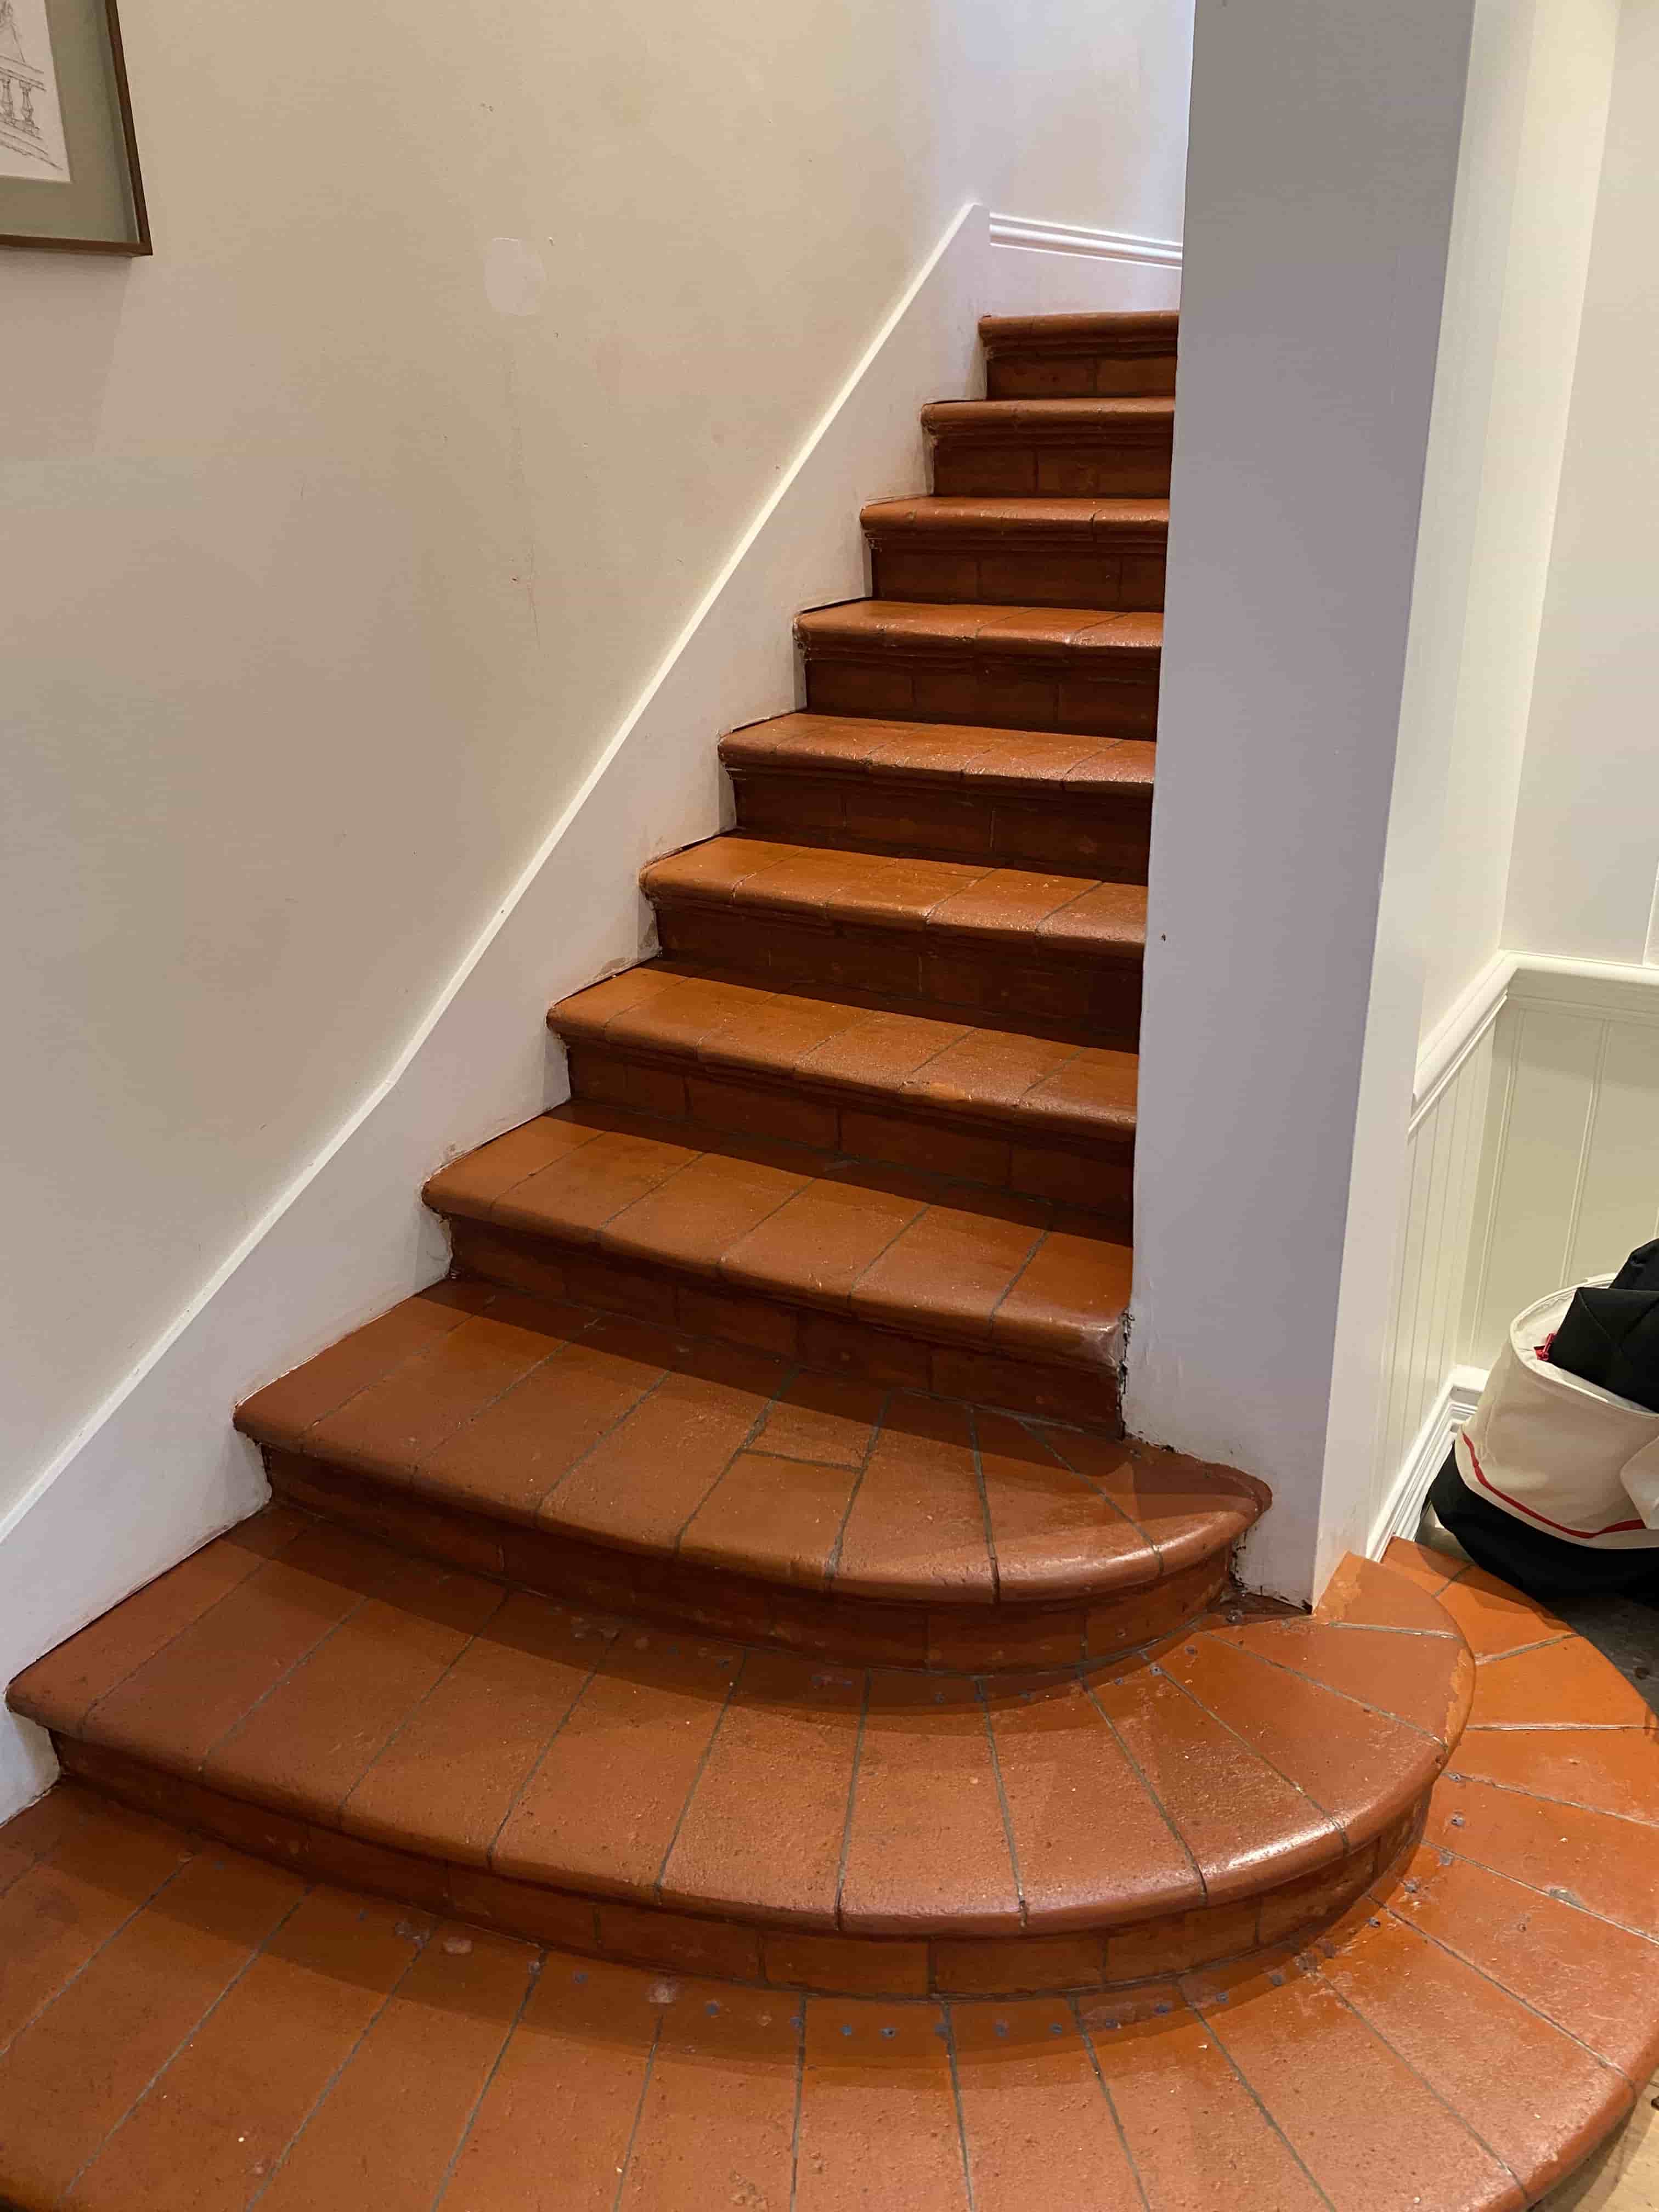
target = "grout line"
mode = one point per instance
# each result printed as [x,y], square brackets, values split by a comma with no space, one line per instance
[327,1636]
[253,1958]
[1516,1651]
[1122,1512]
[955,2094]
[1323,1812]
[1555,1897]
[747,1444]
[984,1505]
[1206,2022]
[537,1763]
[333,2080]
[1157,1804]
[832,1563]
[418,1467]
[1129,2158]
[1381,1712]
[1002,1800]
[409,1358]
[799,2017]
[143,1904]
[737,1672]
[420,1705]
[851,1799]
[1543,1797]
[533,1971]
[639,2113]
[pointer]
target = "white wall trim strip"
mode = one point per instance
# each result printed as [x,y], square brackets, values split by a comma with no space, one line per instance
[1459,1395]
[1451,1041]
[1074,238]
[1527,979]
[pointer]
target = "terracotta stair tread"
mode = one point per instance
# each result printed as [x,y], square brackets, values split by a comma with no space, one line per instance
[655,1443]
[1040,765]
[1058,524]
[1133,330]
[1018,1085]
[1134,416]
[1053,915]
[949,630]
[342,1684]
[930,1259]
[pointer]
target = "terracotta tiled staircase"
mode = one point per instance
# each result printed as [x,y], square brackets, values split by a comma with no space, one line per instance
[814,1759]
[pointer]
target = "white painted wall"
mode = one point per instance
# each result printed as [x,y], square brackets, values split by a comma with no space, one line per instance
[341,535]
[1324,153]
[1587,830]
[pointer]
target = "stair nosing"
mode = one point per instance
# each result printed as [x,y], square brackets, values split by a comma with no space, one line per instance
[937,630]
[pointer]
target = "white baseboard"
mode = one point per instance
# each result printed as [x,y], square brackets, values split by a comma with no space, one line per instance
[156,1469]
[1459,1395]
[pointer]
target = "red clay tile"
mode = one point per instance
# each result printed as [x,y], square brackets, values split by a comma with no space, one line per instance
[1493,1618]
[387,2129]
[680,1943]
[1036,2123]
[694,1217]
[285,1409]
[590,1187]
[1430,1569]
[1372,2136]
[1564,1685]
[845,1965]
[916,1526]
[1427,1680]
[1608,1771]
[780,1518]
[951,1264]
[477,1182]
[1362,1595]
[1067,1302]
[1487,2057]
[820,1243]
[602,1809]
[447,1779]
[1603,1865]
[1360,1767]
[222,2114]
[1093,1848]
[1051,1533]
[1019,1966]
[877,2110]
[565,2097]
[1245,1826]
[927,1835]
[772,1795]
[686,2149]
[38,1829]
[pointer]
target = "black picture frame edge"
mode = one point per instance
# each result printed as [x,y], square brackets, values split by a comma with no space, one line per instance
[132,249]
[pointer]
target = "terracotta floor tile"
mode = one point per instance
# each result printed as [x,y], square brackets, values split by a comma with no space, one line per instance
[1174,1502]
[1198,2137]
[590,1187]
[216,2121]
[36,1833]
[386,2131]
[1609,1770]
[1373,2137]
[514,1451]
[778,1518]
[1362,1595]
[769,1808]
[1494,1618]
[926,1833]
[1109,918]
[1592,1979]
[1095,1083]
[824,1420]
[1608,1866]
[1037,2124]
[715,867]
[1565,1685]
[601,1810]
[1360,1767]
[1069,1300]
[878,2124]
[822,1243]
[643,1482]
[398,1422]
[952,1263]
[197,1689]
[716,2124]
[990,1068]
[1051,1532]
[1534,2096]
[880,1051]
[479,1180]
[1009,905]
[603,1003]
[916,1526]
[1431,1570]
[1424,1679]
[64,1685]
[696,1216]
[1093,1848]
[285,1409]
[87,2057]
[447,1779]
[1244,1823]
[59,1915]
[786,1033]
[563,2101]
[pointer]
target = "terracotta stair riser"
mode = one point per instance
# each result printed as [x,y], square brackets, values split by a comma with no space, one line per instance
[1091,1960]
[1064,833]
[1074,357]
[948,570]
[827,1342]
[1095,1171]
[847,1630]
[1054,465]
[969,979]
[995,690]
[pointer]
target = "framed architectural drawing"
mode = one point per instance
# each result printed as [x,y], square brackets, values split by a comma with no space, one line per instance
[68,163]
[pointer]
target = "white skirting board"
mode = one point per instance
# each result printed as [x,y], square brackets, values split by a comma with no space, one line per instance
[156,1470]
[1458,1396]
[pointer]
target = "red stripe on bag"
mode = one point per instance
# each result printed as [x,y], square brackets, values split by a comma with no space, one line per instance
[1612,1528]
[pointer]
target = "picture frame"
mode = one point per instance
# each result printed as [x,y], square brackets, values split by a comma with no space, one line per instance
[69,179]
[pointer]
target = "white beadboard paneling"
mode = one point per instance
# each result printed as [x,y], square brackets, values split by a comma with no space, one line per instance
[1619,1190]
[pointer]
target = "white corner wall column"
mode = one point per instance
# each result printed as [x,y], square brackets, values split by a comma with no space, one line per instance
[1324,155]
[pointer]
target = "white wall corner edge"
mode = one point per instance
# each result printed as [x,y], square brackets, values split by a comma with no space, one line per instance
[156,1470]
[1402,1510]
